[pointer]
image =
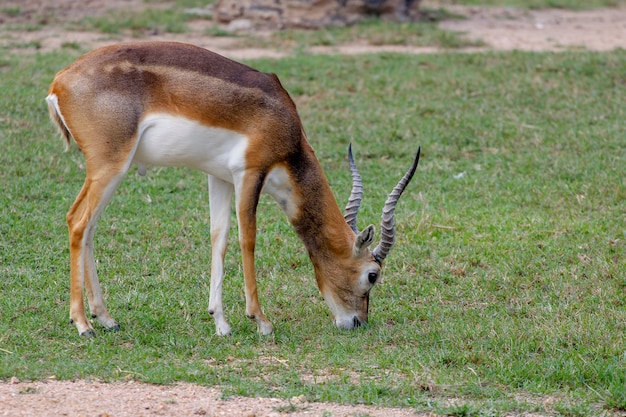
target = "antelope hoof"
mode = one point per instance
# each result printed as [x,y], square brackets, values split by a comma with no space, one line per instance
[265,327]
[107,321]
[223,330]
[88,334]
[221,326]
[115,328]
[263,324]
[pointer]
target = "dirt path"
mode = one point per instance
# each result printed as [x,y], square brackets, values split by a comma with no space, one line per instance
[133,399]
[542,30]
[498,28]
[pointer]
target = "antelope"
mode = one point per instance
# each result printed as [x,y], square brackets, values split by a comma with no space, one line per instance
[175,104]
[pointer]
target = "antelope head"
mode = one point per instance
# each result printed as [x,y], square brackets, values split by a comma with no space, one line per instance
[346,283]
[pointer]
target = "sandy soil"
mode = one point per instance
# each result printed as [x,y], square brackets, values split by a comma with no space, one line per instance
[133,399]
[498,28]
[542,30]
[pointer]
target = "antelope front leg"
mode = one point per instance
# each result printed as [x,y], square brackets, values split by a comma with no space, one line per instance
[220,196]
[247,198]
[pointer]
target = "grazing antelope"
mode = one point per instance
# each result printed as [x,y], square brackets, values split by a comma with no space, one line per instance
[173,104]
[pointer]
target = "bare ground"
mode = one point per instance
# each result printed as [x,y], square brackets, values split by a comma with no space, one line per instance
[133,399]
[498,28]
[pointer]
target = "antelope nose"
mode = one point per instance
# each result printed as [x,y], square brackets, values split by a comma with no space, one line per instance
[356,322]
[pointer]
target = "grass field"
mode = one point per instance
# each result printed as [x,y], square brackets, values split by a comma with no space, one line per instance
[506,289]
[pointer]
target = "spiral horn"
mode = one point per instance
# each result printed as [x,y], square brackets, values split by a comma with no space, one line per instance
[387,224]
[354,202]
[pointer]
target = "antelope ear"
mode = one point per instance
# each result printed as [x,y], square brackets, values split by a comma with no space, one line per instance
[364,239]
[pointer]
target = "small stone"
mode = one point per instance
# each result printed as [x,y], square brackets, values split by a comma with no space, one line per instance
[239,25]
[200,12]
[298,400]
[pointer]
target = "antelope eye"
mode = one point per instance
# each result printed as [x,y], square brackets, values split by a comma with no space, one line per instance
[372,277]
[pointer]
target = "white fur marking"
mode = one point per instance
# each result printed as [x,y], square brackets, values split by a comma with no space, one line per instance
[53,101]
[220,197]
[343,319]
[278,185]
[167,140]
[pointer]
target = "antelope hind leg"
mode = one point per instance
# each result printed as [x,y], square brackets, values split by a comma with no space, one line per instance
[94,292]
[81,220]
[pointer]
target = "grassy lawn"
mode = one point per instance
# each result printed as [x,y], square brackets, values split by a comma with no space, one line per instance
[506,289]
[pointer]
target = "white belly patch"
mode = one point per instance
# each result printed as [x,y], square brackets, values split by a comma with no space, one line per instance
[167,140]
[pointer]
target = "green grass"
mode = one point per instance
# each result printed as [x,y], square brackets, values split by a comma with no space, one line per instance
[372,31]
[114,22]
[161,16]
[506,290]
[12,11]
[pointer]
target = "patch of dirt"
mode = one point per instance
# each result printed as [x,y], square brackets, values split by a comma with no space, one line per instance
[40,25]
[36,25]
[133,399]
[542,30]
